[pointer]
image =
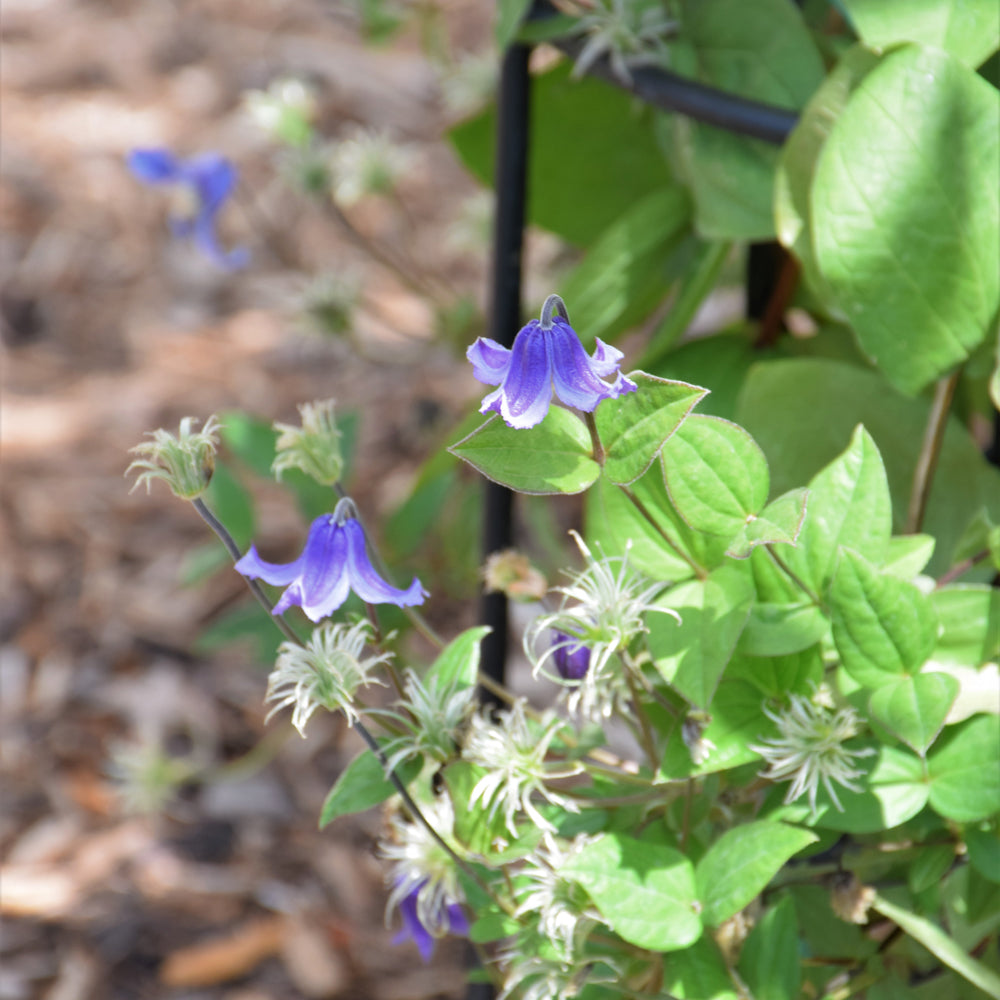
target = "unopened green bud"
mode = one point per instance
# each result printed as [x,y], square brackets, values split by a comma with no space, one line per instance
[185,462]
[314,447]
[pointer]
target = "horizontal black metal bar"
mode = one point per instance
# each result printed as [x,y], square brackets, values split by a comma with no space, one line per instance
[670,91]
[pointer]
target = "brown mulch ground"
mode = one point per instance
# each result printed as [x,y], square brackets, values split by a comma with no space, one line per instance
[111,329]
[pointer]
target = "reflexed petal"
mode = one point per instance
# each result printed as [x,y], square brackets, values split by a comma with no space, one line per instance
[203,230]
[154,166]
[413,928]
[365,582]
[605,359]
[490,360]
[527,387]
[576,382]
[324,584]
[573,374]
[277,574]
[457,921]
[213,177]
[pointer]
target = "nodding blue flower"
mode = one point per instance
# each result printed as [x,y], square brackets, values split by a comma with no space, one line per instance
[202,185]
[570,658]
[334,562]
[450,919]
[547,355]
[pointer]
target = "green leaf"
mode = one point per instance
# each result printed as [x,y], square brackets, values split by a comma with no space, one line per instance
[968,29]
[912,259]
[622,278]
[765,53]
[361,785]
[510,14]
[930,867]
[914,708]
[940,945]
[964,771]
[457,666]
[882,626]
[698,973]
[777,675]
[779,522]
[797,162]
[781,629]
[634,427]
[552,457]
[739,865]
[848,506]
[908,555]
[983,846]
[612,520]
[599,130]
[801,411]
[232,505]
[645,891]
[969,616]
[691,655]
[769,960]
[250,439]
[716,475]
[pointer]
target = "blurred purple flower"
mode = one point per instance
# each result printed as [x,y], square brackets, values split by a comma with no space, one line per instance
[203,184]
[571,658]
[333,563]
[547,355]
[452,921]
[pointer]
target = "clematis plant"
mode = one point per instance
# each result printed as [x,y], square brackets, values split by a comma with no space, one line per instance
[547,356]
[334,562]
[201,186]
[766,708]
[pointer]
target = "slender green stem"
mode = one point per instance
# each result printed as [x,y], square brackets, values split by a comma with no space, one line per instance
[960,568]
[595,439]
[699,571]
[233,549]
[227,540]
[793,576]
[646,732]
[686,822]
[415,812]
[703,277]
[923,474]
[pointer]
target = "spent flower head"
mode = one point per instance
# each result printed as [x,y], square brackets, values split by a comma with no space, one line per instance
[603,610]
[329,302]
[533,971]
[629,32]
[564,910]
[547,356]
[286,111]
[423,876]
[314,447]
[431,717]
[809,749]
[513,753]
[200,186]
[185,462]
[146,775]
[334,562]
[324,673]
[367,162]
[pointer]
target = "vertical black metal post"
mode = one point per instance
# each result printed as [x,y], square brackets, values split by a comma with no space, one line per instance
[511,181]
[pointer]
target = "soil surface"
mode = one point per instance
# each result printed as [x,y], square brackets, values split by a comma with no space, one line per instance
[111,328]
